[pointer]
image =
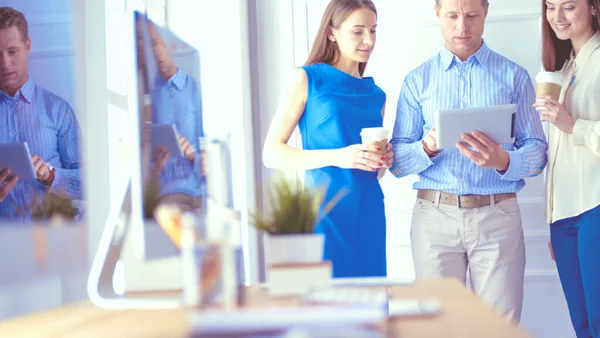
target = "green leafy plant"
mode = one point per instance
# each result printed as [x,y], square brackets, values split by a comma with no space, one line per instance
[294,210]
[52,205]
[151,196]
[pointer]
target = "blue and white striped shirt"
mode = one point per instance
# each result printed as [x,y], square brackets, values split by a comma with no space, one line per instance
[445,82]
[178,101]
[49,126]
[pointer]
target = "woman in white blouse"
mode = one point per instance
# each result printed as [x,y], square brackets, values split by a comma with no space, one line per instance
[571,43]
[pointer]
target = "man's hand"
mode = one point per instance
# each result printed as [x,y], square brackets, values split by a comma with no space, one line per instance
[487,155]
[430,143]
[41,169]
[187,149]
[7,183]
[161,155]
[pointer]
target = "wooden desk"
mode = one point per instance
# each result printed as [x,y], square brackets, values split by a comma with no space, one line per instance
[464,316]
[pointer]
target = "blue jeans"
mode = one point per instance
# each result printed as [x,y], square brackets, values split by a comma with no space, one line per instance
[576,244]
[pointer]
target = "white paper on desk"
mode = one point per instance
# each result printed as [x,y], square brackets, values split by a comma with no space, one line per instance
[279,319]
[370,281]
[413,307]
[362,282]
[348,296]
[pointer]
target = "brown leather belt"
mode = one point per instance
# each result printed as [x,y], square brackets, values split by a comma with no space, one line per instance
[463,201]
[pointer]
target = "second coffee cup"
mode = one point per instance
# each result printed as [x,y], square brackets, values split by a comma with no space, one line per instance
[548,83]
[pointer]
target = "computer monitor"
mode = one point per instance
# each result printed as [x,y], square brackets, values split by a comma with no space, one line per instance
[166,92]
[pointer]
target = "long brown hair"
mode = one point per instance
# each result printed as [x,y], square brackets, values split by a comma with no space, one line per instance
[325,50]
[556,52]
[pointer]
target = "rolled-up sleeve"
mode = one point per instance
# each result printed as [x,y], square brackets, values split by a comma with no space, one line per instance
[587,133]
[409,155]
[530,155]
[67,178]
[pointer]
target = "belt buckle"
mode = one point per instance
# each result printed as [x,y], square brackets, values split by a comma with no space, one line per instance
[459,204]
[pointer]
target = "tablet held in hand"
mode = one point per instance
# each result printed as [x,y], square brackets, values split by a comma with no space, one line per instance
[497,122]
[16,157]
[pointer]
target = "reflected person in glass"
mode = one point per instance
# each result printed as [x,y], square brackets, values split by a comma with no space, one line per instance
[175,100]
[32,114]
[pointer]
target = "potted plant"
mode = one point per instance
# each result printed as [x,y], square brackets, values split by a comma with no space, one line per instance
[53,208]
[151,193]
[289,225]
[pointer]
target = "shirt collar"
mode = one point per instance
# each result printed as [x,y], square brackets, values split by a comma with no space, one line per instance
[481,56]
[586,51]
[26,91]
[177,80]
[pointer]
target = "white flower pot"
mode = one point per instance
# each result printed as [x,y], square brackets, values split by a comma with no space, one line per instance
[297,248]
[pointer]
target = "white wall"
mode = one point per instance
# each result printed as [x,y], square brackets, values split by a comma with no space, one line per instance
[408,34]
[226,97]
[273,59]
[89,38]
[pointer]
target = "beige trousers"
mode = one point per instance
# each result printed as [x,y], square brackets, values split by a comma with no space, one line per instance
[487,243]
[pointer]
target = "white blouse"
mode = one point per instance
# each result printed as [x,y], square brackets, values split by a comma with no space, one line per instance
[573,172]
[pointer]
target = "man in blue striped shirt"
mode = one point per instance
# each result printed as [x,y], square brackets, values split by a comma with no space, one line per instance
[466,217]
[29,113]
[176,100]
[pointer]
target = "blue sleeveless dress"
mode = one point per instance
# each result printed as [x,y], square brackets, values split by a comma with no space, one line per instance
[338,106]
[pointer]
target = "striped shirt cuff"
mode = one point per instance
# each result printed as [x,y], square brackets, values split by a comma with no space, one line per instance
[414,160]
[420,156]
[61,180]
[512,173]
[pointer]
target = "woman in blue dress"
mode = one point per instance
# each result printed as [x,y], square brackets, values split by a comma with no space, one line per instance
[330,101]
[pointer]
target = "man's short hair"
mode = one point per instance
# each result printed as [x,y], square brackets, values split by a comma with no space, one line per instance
[11,17]
[485,2]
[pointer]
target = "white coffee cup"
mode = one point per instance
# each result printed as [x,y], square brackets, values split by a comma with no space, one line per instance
[548,83]
[550,77]
[377,135]
[371,135]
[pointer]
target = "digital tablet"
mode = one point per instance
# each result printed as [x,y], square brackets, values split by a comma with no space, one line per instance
[17,158]
[497,122]
[165,135]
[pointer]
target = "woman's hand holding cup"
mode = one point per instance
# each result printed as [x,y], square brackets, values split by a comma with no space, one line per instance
[366,157]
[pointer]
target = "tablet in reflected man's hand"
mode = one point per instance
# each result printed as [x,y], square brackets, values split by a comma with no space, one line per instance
[17,158]
[165,135]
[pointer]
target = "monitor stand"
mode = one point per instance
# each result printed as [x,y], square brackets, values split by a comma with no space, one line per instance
[100,287]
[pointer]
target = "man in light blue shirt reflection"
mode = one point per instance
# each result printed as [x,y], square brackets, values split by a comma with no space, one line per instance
[32,114]
[466,218]
[176,100]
